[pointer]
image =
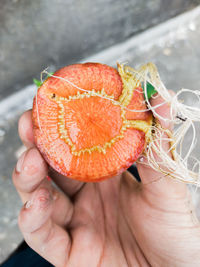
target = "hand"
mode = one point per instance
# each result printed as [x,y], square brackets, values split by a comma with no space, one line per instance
[117,222]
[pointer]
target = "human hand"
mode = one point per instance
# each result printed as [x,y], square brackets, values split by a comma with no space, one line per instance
[116,222]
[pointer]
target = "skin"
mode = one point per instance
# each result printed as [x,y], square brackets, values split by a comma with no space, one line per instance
[116,222]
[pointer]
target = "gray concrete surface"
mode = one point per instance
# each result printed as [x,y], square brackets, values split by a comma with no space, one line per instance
[172,46]
[37,33]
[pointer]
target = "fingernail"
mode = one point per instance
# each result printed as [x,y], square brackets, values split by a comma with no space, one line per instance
[20,162]
[28,204]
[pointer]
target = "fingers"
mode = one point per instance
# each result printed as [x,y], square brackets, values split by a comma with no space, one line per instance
[30,175]
[39,208]
[40,232]
[154,180]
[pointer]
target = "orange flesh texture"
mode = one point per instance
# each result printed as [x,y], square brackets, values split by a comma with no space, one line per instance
[85,137]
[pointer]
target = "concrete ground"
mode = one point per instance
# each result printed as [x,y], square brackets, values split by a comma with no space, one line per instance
[173,46]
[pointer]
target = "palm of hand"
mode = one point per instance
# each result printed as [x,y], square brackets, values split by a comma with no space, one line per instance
[121,223]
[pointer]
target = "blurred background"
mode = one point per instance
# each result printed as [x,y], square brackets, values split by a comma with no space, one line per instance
[53,33]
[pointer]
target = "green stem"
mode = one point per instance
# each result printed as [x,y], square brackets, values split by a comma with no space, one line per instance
[38,83]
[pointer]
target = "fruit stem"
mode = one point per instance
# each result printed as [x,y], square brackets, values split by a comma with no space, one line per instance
[38,83]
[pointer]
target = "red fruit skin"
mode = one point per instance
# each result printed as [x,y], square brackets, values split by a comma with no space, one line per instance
[94,166]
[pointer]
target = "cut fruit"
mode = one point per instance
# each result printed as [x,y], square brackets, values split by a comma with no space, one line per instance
[89,134]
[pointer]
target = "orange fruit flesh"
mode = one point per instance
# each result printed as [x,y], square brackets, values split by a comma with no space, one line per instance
[86,135]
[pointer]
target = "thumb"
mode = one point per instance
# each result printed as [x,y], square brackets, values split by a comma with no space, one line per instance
[156,181]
